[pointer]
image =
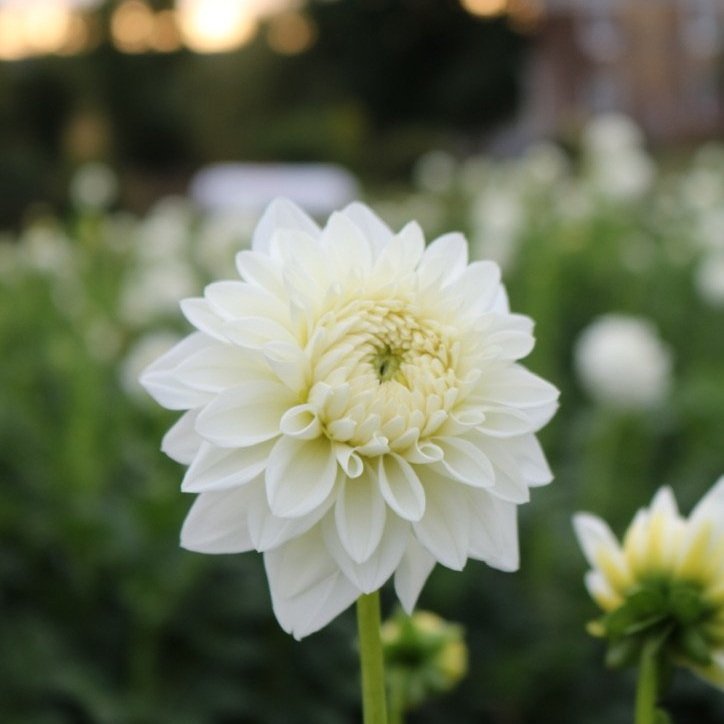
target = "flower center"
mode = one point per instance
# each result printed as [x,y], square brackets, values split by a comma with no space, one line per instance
[382,372]
[387,363]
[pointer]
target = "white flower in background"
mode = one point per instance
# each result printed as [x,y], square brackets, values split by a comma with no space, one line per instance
[617,165]
[675,567]
[497,219]
[622,362]
[94,186]
[710,279]
[355,410]
[153,291]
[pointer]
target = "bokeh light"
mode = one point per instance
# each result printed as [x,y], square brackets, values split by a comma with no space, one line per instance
[216,26]
[291,33]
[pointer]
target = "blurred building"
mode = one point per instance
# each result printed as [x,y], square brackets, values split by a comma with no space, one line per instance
[659,61]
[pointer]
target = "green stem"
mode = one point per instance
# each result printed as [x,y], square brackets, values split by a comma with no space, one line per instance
[397,698]
[374,706]
[646,689]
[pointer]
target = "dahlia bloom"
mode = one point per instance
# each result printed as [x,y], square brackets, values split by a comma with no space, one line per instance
[665,581]
[355,409]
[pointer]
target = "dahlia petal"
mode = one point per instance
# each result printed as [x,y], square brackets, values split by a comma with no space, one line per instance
[443,261]
[478,285]
[261,270]
[268,531]
[306,269]
[235,299]
[289,364]
[301,422]
[531,460]
[245,415]
[493,531]
[216,468]
[505,422]
[281,214]
[359,514]
[200,314]
[400,487]
[160,381]
[346,244]
[217,367]
[601,590]
[182,442]
[369,224]
[403,252]
[501,305]
[322,600]
[255,333]
[217,523]
[593,535]
[370,574]
[711,506]
[509,481]
[300,476]
[464,461]
[514,385]
[350,462]
[411,574]
[511,344]
[444,529]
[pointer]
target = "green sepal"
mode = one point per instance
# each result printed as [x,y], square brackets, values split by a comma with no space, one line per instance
[623,652]
[694,646]
[686,605]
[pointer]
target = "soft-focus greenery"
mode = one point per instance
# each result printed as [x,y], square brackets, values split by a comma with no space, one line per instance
[104,619]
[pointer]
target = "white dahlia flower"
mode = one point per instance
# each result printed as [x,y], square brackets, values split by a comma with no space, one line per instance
[622,362]
[355,410]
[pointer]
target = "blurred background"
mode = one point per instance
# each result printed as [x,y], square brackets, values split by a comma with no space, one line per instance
[576,142]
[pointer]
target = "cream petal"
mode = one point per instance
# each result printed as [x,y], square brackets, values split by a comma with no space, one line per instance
[160,380]
[267,531]
[245,415]
[412,572]
[359,515]
[711,506]
[200,314]
[593,535]
[493,531]
[373,228]
[509,481]
[443,261]
[531,460]
[478,285]
[516,386]
[218,367]
[259,269]
[217,522]
[234,300]
[510,344]
[216,468]
[344,242]
[300,476]
[289,363]
[322,590]
[182,442]
[400,487]
[370,574]
[505,422]
[256,332]
[301,422]
[463,461]
[445,528]
[403,252]
[281,214]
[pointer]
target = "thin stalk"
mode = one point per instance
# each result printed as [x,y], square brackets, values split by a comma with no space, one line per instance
[374,706]
[646,689]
